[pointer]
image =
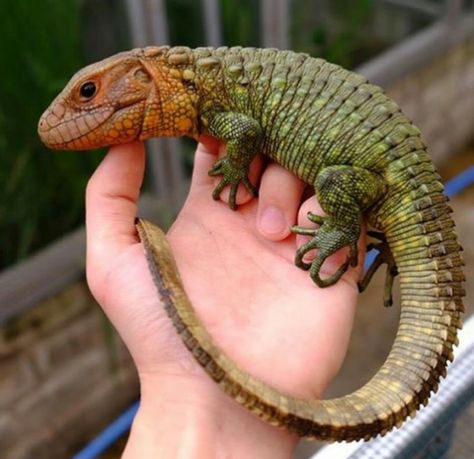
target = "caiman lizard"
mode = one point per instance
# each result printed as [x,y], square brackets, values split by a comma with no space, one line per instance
[336,132]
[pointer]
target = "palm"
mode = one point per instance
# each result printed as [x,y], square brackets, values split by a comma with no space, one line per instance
[261,309]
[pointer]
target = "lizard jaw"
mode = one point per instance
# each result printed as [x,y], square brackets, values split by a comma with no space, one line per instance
[70,132]
[105,125]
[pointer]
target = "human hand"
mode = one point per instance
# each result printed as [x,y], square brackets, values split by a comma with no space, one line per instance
[238,271]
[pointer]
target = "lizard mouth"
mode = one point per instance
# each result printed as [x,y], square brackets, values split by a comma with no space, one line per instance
[59,132]
[81,130]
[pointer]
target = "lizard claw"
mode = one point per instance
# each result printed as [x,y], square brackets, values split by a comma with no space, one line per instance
[216,169]
[232,175]
[304,231]
[327,239]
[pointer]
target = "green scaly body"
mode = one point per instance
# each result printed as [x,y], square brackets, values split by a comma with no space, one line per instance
[336,132]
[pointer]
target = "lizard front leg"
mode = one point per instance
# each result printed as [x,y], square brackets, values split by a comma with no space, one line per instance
[243,136]
[345,193]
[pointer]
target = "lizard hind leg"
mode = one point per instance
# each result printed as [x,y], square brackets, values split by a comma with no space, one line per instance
[345,193]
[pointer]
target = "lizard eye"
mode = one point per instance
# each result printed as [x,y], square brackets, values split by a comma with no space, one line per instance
[88,90]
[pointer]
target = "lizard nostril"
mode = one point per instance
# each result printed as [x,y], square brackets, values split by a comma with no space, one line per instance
[43,125]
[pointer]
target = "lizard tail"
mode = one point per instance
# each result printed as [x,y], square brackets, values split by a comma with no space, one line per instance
[420,235]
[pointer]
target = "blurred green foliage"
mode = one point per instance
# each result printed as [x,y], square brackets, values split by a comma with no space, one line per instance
[240,25]
[345,46]
[338,33]
[185,22]
[42,192]
[239,22]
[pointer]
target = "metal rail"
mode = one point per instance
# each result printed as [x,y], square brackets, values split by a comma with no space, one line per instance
[422,7]
[274,23]
[455,393]
[212,23]
[50,270]
[415,51]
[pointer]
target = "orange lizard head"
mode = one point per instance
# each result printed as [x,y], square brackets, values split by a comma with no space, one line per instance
[126,97]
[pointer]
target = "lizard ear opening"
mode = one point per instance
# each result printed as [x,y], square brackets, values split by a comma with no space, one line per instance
[142,75]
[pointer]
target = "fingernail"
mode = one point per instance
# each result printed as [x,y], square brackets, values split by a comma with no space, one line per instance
[272,221]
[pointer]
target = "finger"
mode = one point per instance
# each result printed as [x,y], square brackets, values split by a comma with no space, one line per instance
[279,201]
[206,155]
[111,205]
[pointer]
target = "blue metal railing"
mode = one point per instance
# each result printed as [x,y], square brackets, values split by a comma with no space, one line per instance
[109,435]
[460,182]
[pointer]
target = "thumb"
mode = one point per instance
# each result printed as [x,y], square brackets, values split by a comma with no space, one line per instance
[111,207]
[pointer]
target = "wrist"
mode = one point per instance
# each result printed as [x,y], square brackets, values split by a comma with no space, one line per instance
[190,416]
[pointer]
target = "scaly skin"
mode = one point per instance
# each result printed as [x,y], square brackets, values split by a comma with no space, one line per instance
[333,130]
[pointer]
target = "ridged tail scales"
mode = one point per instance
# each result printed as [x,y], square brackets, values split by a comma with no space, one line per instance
[415,218]
[420,235]
[431,305]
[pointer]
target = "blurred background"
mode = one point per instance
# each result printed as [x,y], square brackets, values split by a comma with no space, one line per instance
[64,374]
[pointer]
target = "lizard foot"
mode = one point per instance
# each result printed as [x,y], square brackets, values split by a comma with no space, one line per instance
[231,175]
[327,239]
[384,256]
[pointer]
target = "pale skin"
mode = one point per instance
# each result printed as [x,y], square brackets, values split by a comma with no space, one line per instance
[237,268]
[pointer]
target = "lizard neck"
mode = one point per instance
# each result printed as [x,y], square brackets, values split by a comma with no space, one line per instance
[171,104]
